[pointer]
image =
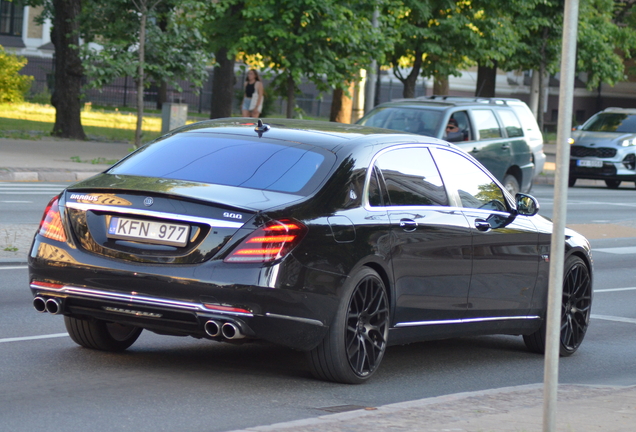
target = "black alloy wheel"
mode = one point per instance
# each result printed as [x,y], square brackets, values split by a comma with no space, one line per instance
[613,184]
[353,349]
[575,310]
[576,305]
[101,335]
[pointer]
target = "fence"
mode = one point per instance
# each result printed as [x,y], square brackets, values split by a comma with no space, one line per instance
[122,92]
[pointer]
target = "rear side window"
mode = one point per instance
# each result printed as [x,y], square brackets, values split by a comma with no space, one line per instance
[282,167]
[486,124]
[412,120]
[411,178]
[511,123]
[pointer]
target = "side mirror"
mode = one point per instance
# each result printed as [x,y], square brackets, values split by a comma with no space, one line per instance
[527,205]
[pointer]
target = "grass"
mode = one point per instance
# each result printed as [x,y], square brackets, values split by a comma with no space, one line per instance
[35,121]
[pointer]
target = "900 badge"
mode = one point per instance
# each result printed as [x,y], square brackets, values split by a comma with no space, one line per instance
[233,215]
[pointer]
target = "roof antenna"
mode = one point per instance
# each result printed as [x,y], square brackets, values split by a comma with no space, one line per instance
[261,128]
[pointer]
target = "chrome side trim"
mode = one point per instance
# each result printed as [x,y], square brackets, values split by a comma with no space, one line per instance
[132,298]
[465,321]
[299,319]
[217,223]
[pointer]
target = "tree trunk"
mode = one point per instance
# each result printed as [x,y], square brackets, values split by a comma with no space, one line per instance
[68,70]
[341,105]
[534,93]
[291,96]
[542,95]
[411,79]
[222,86]
[440,85]
[486,80]
[140,78]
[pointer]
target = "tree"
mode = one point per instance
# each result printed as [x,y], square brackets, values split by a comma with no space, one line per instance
[326,41]
[165,45]
[434,40]
[13,86]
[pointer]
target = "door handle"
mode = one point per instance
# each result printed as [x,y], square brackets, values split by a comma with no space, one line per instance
[482,225]
[505,146]
[408,225]
[475,150]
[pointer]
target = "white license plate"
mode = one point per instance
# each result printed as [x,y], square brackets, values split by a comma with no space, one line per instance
[148,232]
[590,163]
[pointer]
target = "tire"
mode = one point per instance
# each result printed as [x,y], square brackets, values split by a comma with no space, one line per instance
[101,335]
[613,184]
[353,348]
[575,310]
[511,184]
[571,181]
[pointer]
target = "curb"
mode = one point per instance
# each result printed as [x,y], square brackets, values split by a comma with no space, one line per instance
[46,176]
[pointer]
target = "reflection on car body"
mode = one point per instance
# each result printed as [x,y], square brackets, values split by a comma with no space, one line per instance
[337,240]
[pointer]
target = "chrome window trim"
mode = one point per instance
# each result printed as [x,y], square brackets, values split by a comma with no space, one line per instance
[216,223]
[465,321]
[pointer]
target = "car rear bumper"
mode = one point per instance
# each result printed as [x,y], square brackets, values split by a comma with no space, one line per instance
[610,170]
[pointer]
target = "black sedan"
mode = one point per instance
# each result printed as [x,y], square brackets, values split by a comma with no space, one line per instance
[337,240]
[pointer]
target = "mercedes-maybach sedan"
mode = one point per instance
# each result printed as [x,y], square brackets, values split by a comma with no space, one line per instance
[337,240]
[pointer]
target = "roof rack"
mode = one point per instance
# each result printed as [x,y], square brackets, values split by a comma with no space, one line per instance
[491,101]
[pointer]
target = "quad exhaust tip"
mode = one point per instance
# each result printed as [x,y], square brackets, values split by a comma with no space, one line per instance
[213,328]
[231,331]
[53,306]
[39,304]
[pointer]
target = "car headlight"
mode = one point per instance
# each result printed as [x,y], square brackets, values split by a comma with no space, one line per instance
[628,142]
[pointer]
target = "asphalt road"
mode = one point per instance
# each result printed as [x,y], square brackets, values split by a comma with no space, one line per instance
[167,383]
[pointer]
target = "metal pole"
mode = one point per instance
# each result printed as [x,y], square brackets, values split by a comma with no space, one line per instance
[369,93]
[557,248]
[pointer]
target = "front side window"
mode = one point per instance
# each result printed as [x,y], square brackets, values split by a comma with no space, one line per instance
[11,16]
[411,178]
[475,188]
[486,124]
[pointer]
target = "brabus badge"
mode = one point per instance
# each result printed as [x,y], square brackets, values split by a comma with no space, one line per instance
[148,201]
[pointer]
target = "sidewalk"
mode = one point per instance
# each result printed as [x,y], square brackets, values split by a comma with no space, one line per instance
[518,409]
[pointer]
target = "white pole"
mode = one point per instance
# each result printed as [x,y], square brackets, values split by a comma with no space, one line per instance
[557,254]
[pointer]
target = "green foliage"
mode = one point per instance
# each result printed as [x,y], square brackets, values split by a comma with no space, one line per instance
[13,86]
[174,43]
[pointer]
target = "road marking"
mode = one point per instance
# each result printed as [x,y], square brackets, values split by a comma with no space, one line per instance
[27,338]
[13,267]
[17,202]
[615,290]
[618,250]
[612,318]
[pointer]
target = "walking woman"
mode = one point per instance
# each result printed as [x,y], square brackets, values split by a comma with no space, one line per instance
[253,95]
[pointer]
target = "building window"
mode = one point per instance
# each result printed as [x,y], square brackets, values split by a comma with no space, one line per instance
[11,16]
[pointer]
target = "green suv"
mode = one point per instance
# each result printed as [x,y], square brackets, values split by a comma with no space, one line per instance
[487,128]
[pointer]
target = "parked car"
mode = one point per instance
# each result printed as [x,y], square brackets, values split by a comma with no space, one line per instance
[501,133]
[604,148]
[337,240]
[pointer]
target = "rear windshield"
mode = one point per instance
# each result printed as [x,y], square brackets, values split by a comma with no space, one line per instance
[283,167]
[611,122]
[413,120]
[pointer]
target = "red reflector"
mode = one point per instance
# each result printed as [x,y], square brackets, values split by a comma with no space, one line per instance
[47,285]
[270,242]
[226,308]
[51,224]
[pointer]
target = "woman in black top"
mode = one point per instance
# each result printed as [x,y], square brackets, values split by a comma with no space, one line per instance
[253,95]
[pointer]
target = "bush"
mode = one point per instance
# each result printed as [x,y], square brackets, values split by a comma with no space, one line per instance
[13,86]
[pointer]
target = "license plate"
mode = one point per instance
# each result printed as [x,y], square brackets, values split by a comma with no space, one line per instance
[590,163]
[148,232]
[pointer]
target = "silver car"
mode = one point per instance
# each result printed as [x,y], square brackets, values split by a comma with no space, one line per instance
[604,148]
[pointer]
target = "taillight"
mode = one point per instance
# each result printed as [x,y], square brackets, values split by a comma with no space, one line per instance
[51,225]
[270,242]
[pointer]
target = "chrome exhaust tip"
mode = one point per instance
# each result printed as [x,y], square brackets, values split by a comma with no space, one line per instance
[231,331]
[53,306]
[39,304]
[212,328]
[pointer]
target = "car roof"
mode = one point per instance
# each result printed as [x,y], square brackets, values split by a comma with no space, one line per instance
[619,110]
[442,102]
[328,135]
